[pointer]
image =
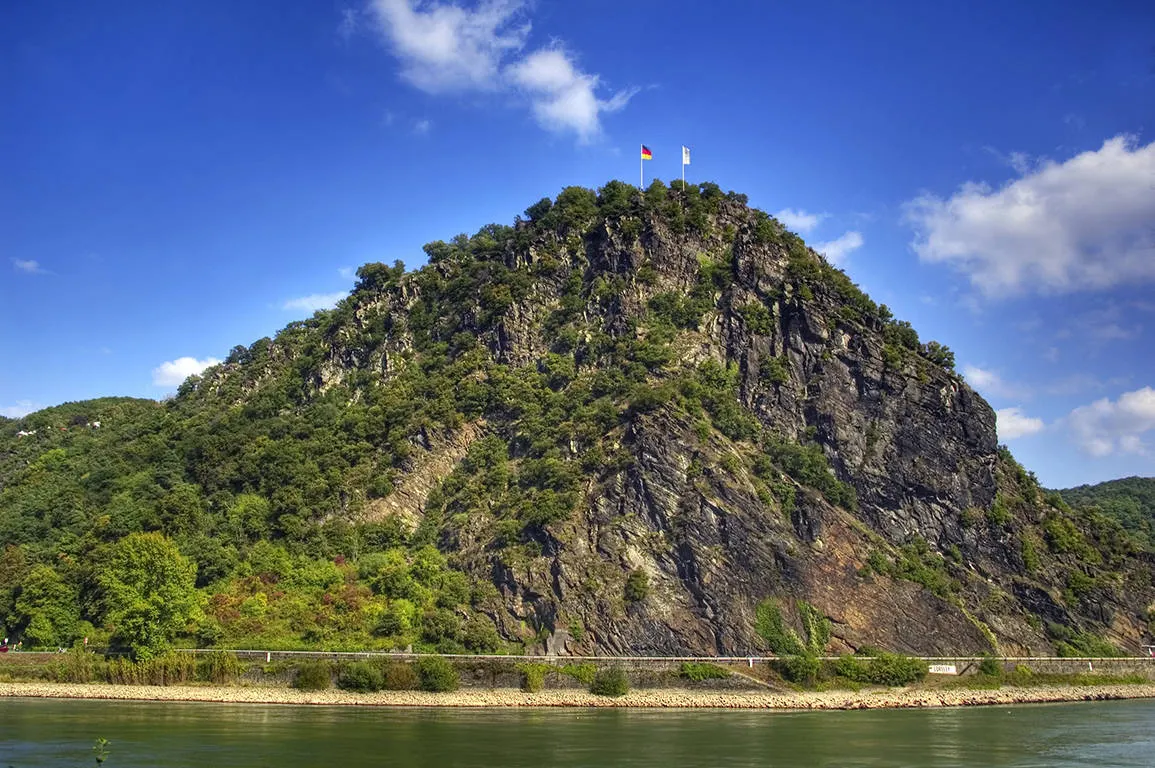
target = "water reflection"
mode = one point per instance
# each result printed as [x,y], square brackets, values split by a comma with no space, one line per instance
[41,732]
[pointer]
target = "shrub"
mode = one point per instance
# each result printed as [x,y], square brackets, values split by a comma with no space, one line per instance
[532,676]
[637,586]
[851,668]
[611,681]
[437,674]
[168,669]
[583,673]
[774,370]
[313,676]
[398,676]
[990,666]
[802,669]
[360,676]
[699,671]
[78,666]
[893,669]
[220,667]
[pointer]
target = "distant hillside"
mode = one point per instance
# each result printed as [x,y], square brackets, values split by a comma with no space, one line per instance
[1130,500]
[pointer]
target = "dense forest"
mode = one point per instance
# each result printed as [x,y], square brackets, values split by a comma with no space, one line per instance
[1130,500]
[428,464]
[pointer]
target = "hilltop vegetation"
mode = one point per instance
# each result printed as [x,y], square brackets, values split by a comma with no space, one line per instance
[618,424]
[1129,500]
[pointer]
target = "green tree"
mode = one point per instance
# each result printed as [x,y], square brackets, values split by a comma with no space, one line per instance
[47,608]
[148,592]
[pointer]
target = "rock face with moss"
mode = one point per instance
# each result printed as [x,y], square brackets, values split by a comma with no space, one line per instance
[629,419]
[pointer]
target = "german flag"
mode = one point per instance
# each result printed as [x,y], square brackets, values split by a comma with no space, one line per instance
[646,153]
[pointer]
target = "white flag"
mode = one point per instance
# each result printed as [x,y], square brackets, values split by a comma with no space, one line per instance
[685,155]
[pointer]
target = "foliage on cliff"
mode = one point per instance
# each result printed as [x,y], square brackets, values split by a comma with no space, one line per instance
[1130,500]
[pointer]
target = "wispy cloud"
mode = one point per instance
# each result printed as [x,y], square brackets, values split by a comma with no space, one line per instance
[422,127]
[28,267]
[19,409]
[172,373]
[453,49]
[349,23]
[315,301]
[990,383]
[1084,224]
[1013,423]
[836,251]
[1107,427]
[798,220]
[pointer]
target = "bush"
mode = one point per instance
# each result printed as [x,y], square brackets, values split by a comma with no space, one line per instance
[893,669]
[637,586]
[400,677]
[437,674]
[990,667]
[313,676]
[802,669]
[168,669]
[360,676]
[698,671]
[583,673]
[532,676]
[851,668]
[78,666]
[220,667]
[611,681]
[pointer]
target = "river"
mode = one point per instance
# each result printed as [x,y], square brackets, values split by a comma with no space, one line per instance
[46,732]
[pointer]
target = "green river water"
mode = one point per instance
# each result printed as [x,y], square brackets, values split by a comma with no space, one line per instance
[41,732]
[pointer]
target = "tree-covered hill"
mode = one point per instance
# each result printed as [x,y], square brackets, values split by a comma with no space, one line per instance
[622,424]
[1130,500]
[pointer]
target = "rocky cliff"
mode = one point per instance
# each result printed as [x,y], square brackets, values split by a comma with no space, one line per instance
[632,418]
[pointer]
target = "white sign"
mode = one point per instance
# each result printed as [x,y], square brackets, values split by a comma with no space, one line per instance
[943,669]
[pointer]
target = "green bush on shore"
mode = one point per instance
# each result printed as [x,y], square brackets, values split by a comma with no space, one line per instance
[399,676]
[313,676]
[699,671]
[532,676]
[437,674]
[360,676]
[611,681]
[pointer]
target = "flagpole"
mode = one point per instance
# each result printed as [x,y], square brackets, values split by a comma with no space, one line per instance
[641,170]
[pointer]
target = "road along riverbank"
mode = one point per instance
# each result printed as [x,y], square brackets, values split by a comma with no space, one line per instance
[880,698]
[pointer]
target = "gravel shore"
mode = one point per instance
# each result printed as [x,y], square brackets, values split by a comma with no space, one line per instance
[871,699]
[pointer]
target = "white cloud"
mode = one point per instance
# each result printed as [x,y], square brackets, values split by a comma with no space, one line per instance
[798,220]
[28,267]
[315,301]
[992,384]
[1107,427]
[422,127]
[1013,423]
[21,408]
[836,251]
[173,372]
[1084,224]
[446,48]
[563,97]
[347,272]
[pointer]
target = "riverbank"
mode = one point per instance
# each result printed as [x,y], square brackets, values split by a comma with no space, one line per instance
[890,698]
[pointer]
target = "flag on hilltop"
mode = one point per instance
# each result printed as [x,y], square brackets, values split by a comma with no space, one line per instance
[646,153]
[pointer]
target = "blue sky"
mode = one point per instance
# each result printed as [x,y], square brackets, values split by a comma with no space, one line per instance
[176,179]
